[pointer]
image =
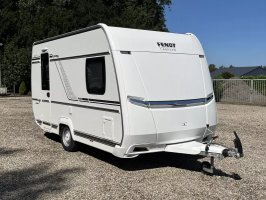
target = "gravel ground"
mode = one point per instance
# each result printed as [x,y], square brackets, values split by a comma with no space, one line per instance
[35,166]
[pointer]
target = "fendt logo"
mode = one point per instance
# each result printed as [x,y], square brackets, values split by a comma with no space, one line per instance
[165,46]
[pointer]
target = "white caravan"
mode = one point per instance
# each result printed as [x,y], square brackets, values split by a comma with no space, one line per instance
[127,92]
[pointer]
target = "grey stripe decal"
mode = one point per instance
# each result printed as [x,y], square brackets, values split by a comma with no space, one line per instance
[54,126]
[35,58]
[46,101]
[82,106]
[81,56]
[46,123]
[94,138]
[65,82]
[85,106]
[104,101]
[84,135]
[99,101]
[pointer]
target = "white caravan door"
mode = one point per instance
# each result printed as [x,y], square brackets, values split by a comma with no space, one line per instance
[45,103]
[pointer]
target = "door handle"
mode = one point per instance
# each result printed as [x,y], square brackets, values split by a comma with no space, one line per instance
[48,94]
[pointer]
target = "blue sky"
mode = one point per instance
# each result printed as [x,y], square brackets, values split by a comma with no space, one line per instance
[232,32]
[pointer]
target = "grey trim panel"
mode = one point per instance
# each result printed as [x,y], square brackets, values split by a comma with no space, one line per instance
[170,104]
[85,106]
[95,139]
[68,34]
[81,56]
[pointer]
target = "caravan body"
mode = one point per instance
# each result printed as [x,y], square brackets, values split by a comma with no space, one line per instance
[124,91]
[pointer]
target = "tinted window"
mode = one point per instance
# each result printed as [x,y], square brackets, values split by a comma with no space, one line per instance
[95,75]
[45,71]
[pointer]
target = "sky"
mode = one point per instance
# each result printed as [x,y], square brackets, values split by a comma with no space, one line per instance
[232,32]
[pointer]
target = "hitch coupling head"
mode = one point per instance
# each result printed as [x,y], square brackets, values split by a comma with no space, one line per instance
[231,153]
[236,152]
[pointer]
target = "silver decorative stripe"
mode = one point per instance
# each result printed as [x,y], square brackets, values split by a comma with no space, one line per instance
[68,89]
[170,104]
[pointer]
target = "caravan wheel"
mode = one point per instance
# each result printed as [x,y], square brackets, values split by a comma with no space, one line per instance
[66,139]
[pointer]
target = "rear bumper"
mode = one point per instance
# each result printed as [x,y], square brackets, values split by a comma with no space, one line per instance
[134,145]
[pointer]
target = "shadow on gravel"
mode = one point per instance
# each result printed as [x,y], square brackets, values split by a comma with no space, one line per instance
[52,136]
[32,182]
[235,176]
[148,161]
[8,152]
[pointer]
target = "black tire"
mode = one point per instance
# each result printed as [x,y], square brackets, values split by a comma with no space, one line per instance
[66,140]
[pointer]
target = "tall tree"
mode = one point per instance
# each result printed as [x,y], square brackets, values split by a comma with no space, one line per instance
[24,21]
[212,67]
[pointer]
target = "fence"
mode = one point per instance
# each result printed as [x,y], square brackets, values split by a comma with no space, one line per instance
[246,91]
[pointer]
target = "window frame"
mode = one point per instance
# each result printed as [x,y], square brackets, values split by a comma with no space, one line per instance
[91,60]
[45,80]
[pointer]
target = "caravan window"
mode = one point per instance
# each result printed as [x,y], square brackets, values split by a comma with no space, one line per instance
[95,75]
[45,71]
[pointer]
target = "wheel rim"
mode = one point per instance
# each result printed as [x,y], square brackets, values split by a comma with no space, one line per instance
[66,137]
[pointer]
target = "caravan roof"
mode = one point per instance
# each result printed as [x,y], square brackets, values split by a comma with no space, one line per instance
[126,39]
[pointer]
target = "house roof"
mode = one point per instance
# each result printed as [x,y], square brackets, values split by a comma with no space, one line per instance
[240,71]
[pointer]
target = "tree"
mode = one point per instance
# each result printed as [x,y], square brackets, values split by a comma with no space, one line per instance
[212,67]
[25,21]
[22,88]
[227,75]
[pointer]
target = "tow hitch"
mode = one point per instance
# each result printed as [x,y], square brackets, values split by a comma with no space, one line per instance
[210,149]
[219,151]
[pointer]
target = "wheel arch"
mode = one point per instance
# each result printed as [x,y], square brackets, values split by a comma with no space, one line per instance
[66,121]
